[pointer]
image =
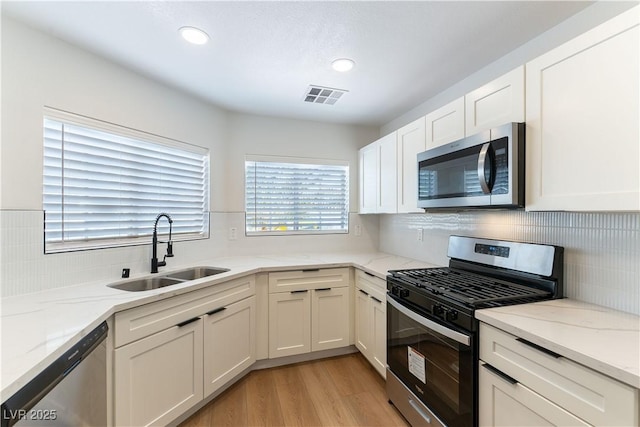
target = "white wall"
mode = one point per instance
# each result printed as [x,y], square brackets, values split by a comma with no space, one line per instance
[295,138]
[38,71]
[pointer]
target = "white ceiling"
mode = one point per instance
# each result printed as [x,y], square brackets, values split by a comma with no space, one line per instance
[263,54]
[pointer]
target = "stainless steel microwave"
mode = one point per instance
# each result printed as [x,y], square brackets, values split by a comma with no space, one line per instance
[485,170]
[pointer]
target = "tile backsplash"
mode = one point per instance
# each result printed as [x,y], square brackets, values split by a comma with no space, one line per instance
[602,250]
[24,268]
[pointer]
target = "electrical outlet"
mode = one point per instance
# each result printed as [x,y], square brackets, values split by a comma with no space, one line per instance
[358,230]
[233,233]
[420,234]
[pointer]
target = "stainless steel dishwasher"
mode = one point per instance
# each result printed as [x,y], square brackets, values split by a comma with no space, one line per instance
[71,391]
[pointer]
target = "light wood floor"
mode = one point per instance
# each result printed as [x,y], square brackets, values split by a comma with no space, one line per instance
[340,391]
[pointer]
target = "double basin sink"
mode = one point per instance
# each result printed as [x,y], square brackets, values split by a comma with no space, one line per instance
[156,282]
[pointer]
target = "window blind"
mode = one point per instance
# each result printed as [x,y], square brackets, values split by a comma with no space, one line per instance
[287,197]
[104,189]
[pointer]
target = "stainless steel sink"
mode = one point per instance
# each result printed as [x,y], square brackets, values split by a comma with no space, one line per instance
[180,276]
[138,285]
[196,273]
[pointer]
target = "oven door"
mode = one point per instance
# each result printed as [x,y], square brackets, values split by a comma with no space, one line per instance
[435,362]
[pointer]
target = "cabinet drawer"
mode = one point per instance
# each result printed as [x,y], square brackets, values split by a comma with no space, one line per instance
[504,404]
[591,396]
[287,281]
[139,322]
[372,285]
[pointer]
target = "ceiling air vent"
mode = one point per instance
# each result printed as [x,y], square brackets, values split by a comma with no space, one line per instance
[323,95]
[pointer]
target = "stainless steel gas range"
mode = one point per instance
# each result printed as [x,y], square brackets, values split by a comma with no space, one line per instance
[432,334]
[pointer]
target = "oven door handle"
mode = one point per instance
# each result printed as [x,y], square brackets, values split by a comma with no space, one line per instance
[443,330]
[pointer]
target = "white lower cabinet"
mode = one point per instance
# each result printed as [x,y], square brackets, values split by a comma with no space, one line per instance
[371,320]
[229,343]
[330,318]
[524,384]
[503,403]
[173,353]
[289,323]
[313,315]
[158,377]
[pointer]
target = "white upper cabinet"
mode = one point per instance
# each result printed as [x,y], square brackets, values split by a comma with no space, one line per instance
[446,124]
[582,117]
[368,163]
[378,176]
[387,174]
[410,141]
[496,103]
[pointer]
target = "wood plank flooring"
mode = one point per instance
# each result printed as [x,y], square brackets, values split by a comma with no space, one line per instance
[340,391]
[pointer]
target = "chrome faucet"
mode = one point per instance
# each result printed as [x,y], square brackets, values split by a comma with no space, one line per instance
[154,259]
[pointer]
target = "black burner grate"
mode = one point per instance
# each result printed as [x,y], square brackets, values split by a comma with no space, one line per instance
[468,288]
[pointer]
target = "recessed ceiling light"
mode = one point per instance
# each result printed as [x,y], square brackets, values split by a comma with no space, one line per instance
[343,64]
[194,35]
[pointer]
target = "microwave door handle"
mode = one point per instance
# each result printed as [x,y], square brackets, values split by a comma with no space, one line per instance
[483,158]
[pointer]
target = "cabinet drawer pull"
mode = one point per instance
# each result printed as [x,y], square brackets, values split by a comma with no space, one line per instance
[501,374]
[376,299]
[323,289]
[539,348]
[369,274]
[310,270]
[300,292]
[186,322]
[363,292]
[217,310]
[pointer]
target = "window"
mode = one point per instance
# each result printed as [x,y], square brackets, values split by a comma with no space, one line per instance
[296,196]
[104,185]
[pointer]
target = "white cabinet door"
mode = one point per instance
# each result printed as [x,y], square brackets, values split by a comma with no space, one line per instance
[368,164]
[410,141]
[330,318]
[377,163]
[503,404]
[496,103]
[229,343]
[289,323]
[446,124]
[363,323]
[371,320]
[158,377]
[387,175]
[378,321]
[582,114]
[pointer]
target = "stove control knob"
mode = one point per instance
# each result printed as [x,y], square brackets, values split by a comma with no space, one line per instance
[437,310]
[404,293]
[395,290]
[452,315]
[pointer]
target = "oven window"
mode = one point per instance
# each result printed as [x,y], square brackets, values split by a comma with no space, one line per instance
[437,369]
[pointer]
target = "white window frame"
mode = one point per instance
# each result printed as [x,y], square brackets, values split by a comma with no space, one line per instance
[142,238]
[298,160]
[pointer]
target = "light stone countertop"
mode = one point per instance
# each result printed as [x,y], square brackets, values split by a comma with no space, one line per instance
[37,328]
[600,338]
